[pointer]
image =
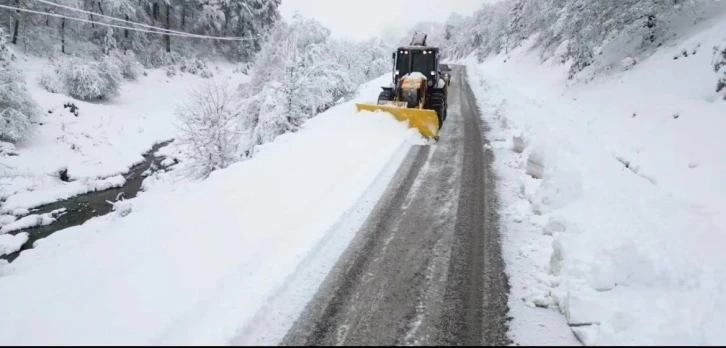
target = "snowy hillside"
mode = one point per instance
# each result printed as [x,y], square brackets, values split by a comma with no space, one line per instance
[85,120]
[144,276]
[613,192]
[98,142]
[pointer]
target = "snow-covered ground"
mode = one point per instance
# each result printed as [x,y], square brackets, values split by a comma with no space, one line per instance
[103,141]
[613,213]
[194,262]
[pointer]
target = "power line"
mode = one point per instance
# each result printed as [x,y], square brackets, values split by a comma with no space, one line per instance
[128,28]
[116,19]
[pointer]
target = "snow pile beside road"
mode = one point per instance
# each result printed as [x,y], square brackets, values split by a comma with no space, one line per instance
[624,232]
[194,263]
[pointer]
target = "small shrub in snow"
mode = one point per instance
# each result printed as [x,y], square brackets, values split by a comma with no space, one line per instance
[111,74]
[121,207]
[170,71]
[209,128]
[628,63]
[191,65]
[157,58]
[50,82]
[206,74]
[719,61]
[721,84]
[7,149]
[129,65]
[72,107]
[243,69]
[195,66]
[719,58]
[17,108]
[89,80]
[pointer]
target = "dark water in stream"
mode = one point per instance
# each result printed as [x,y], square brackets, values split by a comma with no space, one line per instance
[82,208]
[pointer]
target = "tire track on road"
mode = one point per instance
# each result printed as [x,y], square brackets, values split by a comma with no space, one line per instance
[426,270]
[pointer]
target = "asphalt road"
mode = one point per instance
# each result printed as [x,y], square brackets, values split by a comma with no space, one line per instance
[426,268]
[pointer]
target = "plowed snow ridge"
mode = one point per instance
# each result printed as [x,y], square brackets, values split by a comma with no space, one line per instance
[193,264]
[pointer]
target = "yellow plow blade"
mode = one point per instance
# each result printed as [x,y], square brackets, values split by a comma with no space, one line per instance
[424,120]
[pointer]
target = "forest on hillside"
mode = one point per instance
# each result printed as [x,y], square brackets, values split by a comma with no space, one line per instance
[45,29]
[582,33]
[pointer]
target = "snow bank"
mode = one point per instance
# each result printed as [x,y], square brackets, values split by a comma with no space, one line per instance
[32,221]
[625,231]
[6,219]
[49,194]
[194,263]
[12,243]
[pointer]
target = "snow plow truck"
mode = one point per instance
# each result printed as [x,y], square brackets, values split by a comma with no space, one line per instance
[418,92]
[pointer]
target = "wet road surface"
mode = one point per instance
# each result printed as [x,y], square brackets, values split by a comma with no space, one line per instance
[426,268]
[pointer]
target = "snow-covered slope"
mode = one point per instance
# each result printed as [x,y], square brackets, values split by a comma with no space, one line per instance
[625,230]
[192,263]
[104,140]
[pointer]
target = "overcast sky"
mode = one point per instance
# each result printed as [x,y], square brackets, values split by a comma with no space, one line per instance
[362,19]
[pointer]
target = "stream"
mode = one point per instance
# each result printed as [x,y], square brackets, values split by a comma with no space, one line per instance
[81,208]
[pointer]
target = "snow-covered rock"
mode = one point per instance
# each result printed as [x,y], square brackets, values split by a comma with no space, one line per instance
[11,243]
[628,63]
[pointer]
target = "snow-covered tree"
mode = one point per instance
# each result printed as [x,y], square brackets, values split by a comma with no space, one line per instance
[573,30]
[515,25]
[50,81]
[44,35]
[87,80]
[373,59]
[719,67]
[295,77]
[299,72]
[17,108]
[129,65]
[109,42]
[364,60]
[209,121]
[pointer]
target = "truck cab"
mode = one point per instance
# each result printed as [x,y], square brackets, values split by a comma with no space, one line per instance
[417,59]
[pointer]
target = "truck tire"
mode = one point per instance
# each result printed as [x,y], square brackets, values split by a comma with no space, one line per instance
[437,102]
[386,95]
[446,103]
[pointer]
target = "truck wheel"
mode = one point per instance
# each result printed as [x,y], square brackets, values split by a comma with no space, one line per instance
[446,104]
[385,95]
[437,102]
